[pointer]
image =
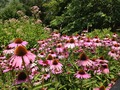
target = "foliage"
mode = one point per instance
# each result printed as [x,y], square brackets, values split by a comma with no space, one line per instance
[76,15]
[10,10]
[26,29]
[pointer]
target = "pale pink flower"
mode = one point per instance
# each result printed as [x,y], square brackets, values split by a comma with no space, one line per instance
[59,48]
[81,74]
[2,57]
[45,76]
[8,50]
[112,53]
[105,69]
[114,35]
[42,55]
[88,42]
[44,62]
[55,64]
[56,71]
[70,44]
[116,47]
[84,60]
[21,56]
[18,42]
[56,34]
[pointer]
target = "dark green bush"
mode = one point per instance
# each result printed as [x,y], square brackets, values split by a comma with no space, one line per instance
[10,10]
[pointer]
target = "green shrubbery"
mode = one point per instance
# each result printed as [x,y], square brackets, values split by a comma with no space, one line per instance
[23,28]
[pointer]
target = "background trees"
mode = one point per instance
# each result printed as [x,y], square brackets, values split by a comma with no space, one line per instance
[71,16]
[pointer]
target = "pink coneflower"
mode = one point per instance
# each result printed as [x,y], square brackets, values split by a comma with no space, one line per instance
[21,78]
[53,54]
[45,76]
[116,47]
[56,66]
[18,42]
[81,74]
[8,50]
[114,35]
[49,57]
[101,61]
[56,71]
[44,63]
[70,44]
[113,54]
[21,56]
[84,60]
[101,88]
[2,57]
[42,55]
[88,42]
[97,43]
[56,34]
[59,48]
[105,69]
[64,37]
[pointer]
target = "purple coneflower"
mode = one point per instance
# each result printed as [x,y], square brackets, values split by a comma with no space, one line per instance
[18,42]
[81,74]
[45,76]
[84,60]
[21,56]
[56,66]
[21,78]
[8,50]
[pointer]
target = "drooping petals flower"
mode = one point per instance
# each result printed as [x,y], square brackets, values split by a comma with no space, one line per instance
[84,60]
[21,56]
[21,78]
[81,74]
[18,42]
[8,50]
[45,76]
[56,66]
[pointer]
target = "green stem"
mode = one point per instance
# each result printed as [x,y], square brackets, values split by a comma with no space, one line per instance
[27,72]
[81,82]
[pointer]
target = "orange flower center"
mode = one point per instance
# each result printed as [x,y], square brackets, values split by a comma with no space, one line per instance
[55,62]
[83,56]
[20,51]
[82,72]
[18,40]
[22,76]
[49,57]
[102,88]
[72,40]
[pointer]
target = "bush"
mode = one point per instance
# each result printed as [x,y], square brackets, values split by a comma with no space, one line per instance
[10,10]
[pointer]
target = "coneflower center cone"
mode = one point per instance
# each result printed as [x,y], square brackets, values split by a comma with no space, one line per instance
[49,57]
[83,56]
[18,40]
[82,72]
[55,62]
[21,76]
[72,40]
[102,88]
[20,51]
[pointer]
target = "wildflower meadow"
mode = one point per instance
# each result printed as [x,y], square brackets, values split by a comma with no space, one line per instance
[61,62]
[48,47]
